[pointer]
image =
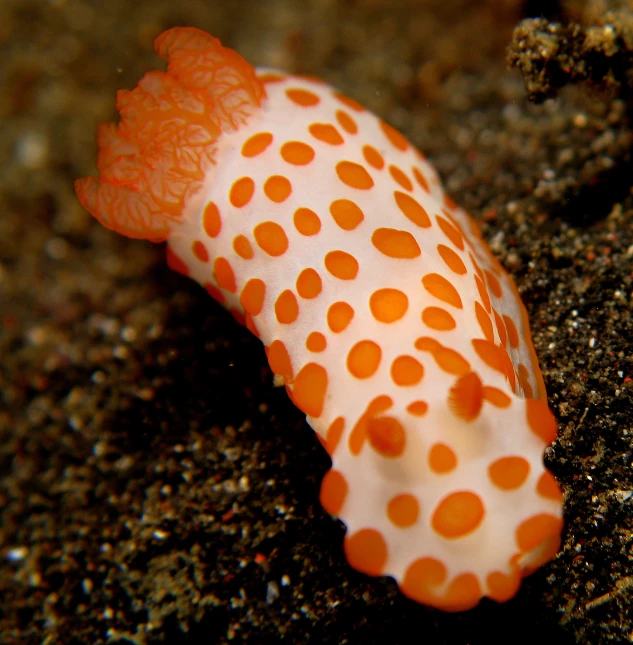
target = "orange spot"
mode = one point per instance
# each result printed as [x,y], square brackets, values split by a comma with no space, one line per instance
[279,361]
[501,329]
[388,305]
[483,294]
[450,204]
[200,251]
[451,259]
[490,354]
[252,296]
[350,103]
[224,275]
[366,551]
[458,514]
[309,284]
[241,192]
[400,178]
[406,371]
[354,175]
[211,221]
[277,188]
[451,232]
[306,221]
[496,397]
[363,359]
[493,283]
[250,324]
[316,342]
[412,209]
[339,316]
[346,122]
[333,435]
[271,238]
[297,153]
[304,98]
[256,144]
[418,408]
[333,491]
[373,157]
[238,316]
[421,179]
[421,580]
[341,265]
[438,318]
[513,335]
[442,459]
[359,431]
[447,359]
[309,389]
[548,488]
[508,473]
[271,77]
[541,420]
[327,133]
[243,247]
[395,244]
[465,398]
[386,436]
[346,213]
[286,307]
[538,529]
[439,287]
[215,293]
[501,586]
[524,379]
[395,138]
[403,510]
[484,322]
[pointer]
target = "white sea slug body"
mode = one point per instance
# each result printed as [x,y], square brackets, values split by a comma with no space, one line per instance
[392,326]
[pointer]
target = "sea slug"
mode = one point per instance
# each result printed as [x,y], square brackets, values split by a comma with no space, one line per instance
[392,326]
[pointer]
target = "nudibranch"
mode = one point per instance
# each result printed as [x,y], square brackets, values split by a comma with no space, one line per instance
[392,326]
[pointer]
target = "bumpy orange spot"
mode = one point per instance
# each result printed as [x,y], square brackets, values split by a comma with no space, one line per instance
[508,473]
[439,287]
[306,221]
[350,103]
[465,398]
[333,435]
[333,491]
[271,238]
[548,488]
[493,283]
[495,396]
[241,192]
[301,97]
[513,335]
[309,389]
[395,244]
[256,144]
[373,157]
[252,296]
[224,275]
[421,179]
[412,209]
[279,361]
[363,359]
[484,322]
[451,259]
[200,251]
[309,284]
[211,220]
[316,342]
[286,307]
[346,213]
[366,551]
[346,122]
[358,434]
[442,459]
[277,188]
[403,510]
[400,178]
[458,514]
[386,436]
[327,133]
[243,247]
[406,371]
[341,265]
[395,138]
[418,408]
[438,318]
[536,529]
[451,232]
[354,175]
[541,420]
[388,305]
[339,316]
[297,153]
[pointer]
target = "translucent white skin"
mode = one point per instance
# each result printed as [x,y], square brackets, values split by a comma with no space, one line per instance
[374,479]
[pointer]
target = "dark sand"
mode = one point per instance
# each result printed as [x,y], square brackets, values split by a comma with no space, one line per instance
[155,486]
